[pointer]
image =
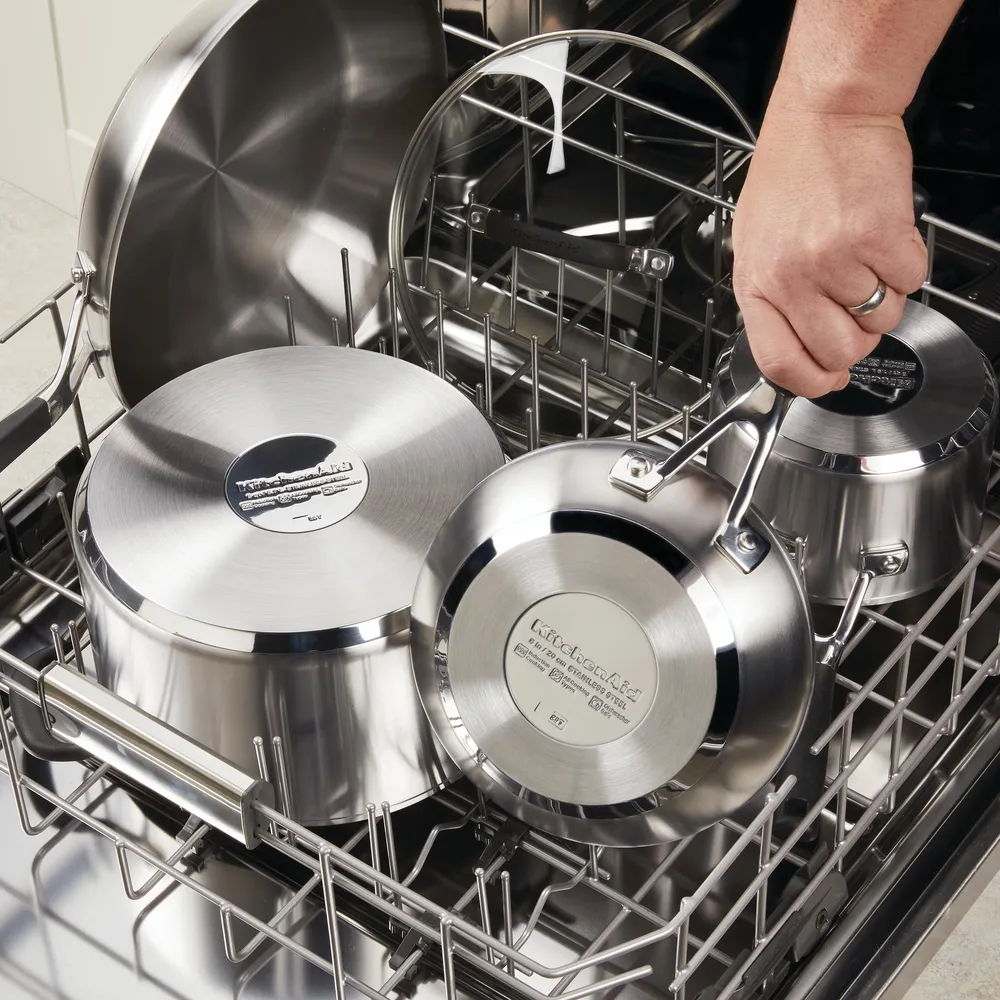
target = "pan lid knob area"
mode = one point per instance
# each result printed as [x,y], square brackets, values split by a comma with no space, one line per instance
[298,487]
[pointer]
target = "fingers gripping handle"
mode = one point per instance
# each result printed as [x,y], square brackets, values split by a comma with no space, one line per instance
[511,231]
[763,407]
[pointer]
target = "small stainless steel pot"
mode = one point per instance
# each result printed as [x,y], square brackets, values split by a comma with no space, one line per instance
[612,643]
[249,536]
[895,466]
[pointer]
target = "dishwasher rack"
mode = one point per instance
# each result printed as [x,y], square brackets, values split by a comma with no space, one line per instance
[915,681]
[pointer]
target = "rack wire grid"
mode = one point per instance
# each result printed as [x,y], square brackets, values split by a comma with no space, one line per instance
[909,673]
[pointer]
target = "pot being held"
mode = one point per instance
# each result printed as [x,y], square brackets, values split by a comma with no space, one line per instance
[248,538]
[893,467]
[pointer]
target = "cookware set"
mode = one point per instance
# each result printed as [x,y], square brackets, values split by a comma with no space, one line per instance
[611,641]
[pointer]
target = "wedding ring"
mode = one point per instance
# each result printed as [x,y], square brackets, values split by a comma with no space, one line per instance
[870,304]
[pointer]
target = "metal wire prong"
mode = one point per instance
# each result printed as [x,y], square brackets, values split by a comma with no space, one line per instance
[469,233]
[439,303]
[284,789]
[348,296]
[425,263]
[608,298]
[488,362]
[390,846]
[560,302]
[381,345]
[654,375]
[330,906]
[335,323]
[373,846]
[394,312]
[77,646]
[706,344]
[290,320]
[67,518]
[584,398]
[536,409]
[508,917]
[484,909]
[633,411]
[529,420]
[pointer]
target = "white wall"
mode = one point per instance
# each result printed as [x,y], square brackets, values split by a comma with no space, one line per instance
[63,65]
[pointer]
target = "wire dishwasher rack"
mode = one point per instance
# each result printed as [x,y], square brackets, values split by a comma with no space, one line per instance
[453,898]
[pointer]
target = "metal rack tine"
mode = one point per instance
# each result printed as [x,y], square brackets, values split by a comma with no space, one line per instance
[390,848]
[584,398]
[536,408]
[290,320]
[394,311]
[381,345]
[439,303]
[348,296]
[77,646]
[425,263]
[508,918]
[633,412]
[484,909]
[330,907]
[706,346]
[376,854]
[560,302]
[335,323]
[488,362]
[281,771]
[609,291]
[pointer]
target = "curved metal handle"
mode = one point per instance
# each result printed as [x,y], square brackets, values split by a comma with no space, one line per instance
[763,407]
[511,231]
[23,426]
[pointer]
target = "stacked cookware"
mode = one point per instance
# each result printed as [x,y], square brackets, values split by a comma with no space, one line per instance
[315,561]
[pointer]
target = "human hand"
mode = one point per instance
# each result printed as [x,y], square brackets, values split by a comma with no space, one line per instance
[825,213]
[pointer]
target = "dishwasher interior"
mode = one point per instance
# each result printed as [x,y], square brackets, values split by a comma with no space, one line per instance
[821,889]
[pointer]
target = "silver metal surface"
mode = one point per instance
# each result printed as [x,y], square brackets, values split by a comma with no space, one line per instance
[258,141]
[847,477]
[723,681]
[143,748]
[290,620]
[871,303]
[712,912]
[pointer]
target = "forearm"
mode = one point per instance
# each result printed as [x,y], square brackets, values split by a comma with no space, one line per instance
[860,57]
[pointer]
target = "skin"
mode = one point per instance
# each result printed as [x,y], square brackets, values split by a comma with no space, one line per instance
[827,208]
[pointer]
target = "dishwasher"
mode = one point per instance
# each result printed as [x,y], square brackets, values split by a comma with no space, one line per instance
[151,869]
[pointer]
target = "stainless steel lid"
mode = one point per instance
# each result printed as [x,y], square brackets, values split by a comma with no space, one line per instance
[913,399]
[281,499]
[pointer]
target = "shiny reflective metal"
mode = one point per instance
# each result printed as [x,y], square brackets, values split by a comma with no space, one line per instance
[258,141]
[732,674]
[871,303]
[912,472]
[247,627]
[509,21]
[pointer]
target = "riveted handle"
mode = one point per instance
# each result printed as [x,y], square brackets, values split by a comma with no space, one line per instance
[762,407]
[511,231]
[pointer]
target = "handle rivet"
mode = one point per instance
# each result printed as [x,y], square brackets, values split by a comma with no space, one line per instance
[638,467]
[890,564]
[76,273]
[657,263]
[480,757]
[476,218]
[746,541]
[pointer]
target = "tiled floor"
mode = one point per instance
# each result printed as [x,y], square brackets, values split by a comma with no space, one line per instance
[37,243]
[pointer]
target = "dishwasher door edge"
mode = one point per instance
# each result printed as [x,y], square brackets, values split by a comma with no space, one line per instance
[912,903]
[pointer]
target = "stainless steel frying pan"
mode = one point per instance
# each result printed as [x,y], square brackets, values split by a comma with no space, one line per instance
[252,156]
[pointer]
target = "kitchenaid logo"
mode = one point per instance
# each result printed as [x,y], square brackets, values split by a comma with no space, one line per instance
[572,652]
[294,487]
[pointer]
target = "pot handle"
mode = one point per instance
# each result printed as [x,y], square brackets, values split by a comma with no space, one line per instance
[889,561]
[763,407]
[23,426]
[511,231]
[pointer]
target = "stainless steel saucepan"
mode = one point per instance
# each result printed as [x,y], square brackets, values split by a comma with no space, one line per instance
[612,643]
[249,536]
[257,144]
[894,467]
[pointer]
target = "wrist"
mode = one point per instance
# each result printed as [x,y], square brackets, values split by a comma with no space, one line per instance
[835,91]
